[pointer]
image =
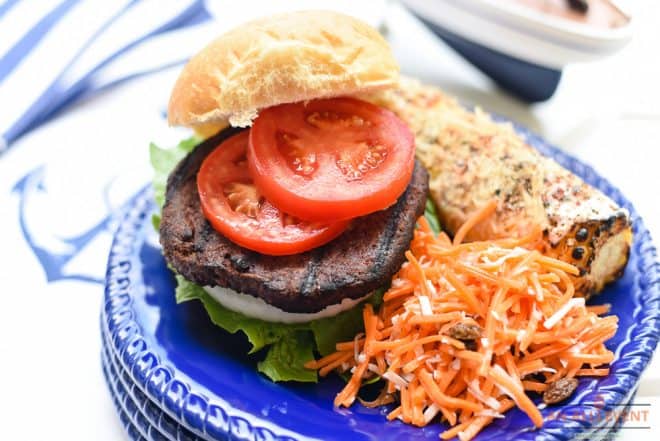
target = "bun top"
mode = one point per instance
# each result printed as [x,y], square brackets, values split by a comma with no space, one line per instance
[280,59]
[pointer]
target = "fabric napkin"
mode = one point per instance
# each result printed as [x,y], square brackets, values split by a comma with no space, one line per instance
[54,52]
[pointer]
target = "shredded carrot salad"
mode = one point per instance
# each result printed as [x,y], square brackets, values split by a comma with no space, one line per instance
[466,329]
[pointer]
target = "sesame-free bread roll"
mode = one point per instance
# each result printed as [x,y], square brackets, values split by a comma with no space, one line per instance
[280,59]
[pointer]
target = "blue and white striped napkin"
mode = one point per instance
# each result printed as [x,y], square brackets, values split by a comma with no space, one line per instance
[52,52]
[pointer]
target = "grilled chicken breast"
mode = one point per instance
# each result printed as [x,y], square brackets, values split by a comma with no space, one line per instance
[472,159]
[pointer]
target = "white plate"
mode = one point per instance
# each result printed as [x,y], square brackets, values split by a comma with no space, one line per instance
[523,32]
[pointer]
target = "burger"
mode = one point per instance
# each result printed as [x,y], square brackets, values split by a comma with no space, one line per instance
[297,199]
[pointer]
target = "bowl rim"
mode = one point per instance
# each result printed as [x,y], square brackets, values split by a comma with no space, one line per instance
[534,19]
[550,22]
[523,32]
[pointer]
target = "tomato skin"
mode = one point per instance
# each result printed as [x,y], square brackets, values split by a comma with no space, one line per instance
[330,159]
[234,207]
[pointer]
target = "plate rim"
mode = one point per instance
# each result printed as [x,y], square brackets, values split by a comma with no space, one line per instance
[120,398]
[121,386]
[130,429]
[196,411]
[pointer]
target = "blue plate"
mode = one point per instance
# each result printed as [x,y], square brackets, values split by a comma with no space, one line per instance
[143,412]
[199,375]
[141,416]
[133,420]
[131,430]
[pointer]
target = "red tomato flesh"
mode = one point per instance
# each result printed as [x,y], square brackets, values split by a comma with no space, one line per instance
[236,209]
[330,159]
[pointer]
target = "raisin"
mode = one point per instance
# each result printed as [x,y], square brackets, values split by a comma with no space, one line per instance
[465,332]
[559,390]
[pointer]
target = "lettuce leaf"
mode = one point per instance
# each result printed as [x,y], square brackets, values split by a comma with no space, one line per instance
[258,332]
[431,215]
[163,162]
[287,346]
[343,327]
[286,358]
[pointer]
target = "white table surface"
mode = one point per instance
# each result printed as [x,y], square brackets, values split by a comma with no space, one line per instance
[606,113]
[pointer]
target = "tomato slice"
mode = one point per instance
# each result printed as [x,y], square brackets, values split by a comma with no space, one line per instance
[330,159]
[236,209]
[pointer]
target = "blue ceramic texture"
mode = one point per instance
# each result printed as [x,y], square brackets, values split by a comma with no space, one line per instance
[143,411]
[129,407]
[131,430]
[124,391]
[200,376]
[128,397]
[529,82]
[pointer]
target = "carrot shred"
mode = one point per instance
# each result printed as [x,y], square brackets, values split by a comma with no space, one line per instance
[518,300]
[317,364]
[515,391]
[325,370]
[599,309]
[593,372]
[394,414]
[534,386]
[441,399]
[482,214]
[465,292]
[435,318]
[398,292]
[346,346]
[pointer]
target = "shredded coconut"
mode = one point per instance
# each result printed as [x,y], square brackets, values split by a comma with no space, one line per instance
[430,412]
[476,391]
[489,413]
[431,288]
[425,305]
[561,312]
[396,379]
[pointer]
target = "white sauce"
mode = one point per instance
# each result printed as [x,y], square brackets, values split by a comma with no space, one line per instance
[257,308]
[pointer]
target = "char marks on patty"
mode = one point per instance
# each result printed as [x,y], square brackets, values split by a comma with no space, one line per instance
[362,259]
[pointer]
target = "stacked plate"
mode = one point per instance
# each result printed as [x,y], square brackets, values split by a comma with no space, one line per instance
[174,375]
[141,418]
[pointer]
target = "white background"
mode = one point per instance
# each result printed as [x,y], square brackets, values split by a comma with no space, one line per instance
[605,113]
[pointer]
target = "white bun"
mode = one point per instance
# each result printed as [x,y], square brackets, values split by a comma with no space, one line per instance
[280,59]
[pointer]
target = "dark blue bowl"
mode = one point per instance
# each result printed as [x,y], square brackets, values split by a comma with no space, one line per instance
[529,82]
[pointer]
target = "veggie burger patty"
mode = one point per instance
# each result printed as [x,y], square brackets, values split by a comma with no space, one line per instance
[361,260]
